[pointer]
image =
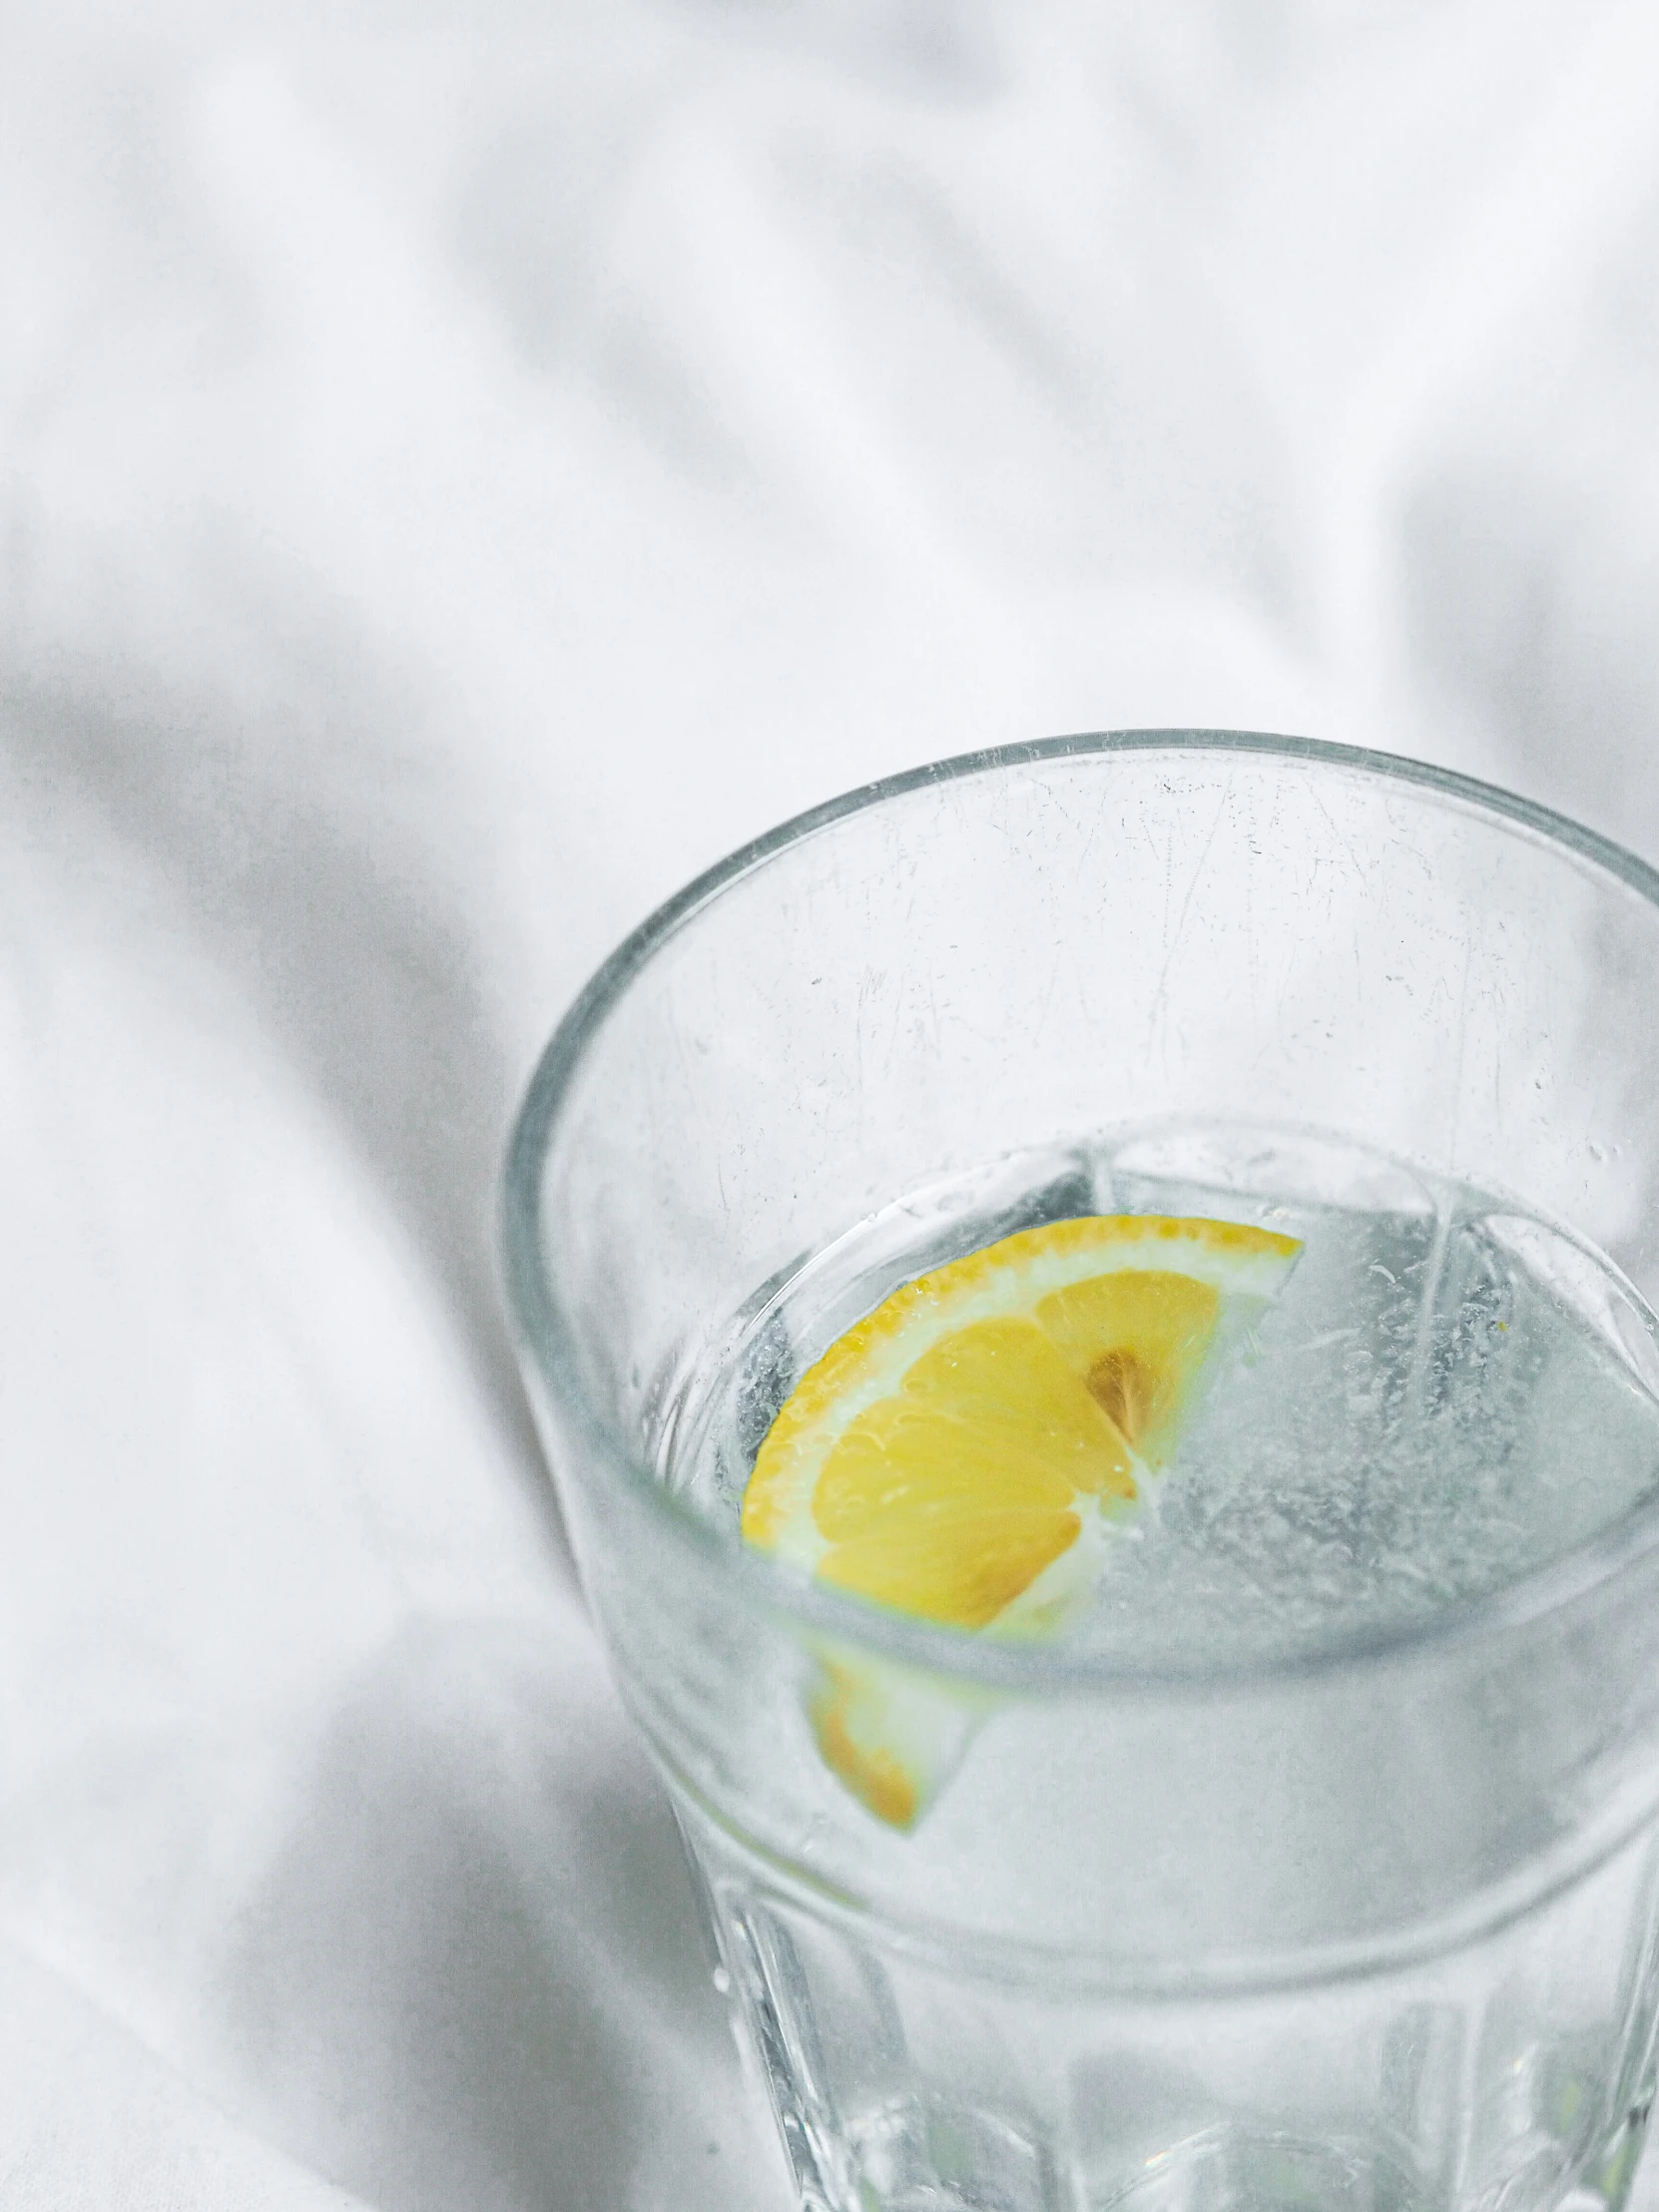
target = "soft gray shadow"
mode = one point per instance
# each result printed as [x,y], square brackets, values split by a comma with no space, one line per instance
[298,840]
[431,1998]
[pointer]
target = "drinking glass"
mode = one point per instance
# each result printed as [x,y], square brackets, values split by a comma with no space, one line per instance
[1371,1920]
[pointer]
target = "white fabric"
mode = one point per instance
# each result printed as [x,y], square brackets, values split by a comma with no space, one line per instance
[460,472]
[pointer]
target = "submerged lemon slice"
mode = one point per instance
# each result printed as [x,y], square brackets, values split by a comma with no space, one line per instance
[959,1455]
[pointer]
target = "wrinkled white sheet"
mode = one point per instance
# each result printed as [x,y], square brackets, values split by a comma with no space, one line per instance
[460,472]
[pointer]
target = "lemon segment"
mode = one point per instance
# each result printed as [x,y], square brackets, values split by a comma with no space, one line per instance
[950,1497]
[891,1735]
[960,1454]
[1137,1337]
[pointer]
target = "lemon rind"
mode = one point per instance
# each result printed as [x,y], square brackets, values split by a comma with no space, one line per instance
[869,1362]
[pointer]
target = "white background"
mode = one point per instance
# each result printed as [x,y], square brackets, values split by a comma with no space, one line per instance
[460,472]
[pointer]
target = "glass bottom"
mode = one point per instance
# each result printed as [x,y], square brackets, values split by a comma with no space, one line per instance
[933,2156]
[918,2157]
[1510,2075]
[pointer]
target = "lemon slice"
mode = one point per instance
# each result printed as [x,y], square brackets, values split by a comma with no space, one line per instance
[960,1454]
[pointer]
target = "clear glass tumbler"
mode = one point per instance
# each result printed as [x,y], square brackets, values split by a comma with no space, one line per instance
[1370,1923]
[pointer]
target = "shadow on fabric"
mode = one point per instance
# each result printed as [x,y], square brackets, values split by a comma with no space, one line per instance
[475,1976]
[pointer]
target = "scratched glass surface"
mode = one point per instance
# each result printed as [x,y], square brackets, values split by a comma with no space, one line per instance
[1316,1865]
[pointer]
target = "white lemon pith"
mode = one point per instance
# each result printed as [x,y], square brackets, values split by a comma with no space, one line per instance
[959,1455]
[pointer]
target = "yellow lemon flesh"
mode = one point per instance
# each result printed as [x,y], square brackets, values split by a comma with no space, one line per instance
[959,1455]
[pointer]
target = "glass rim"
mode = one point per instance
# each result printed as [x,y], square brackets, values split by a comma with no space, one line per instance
[768,1588]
